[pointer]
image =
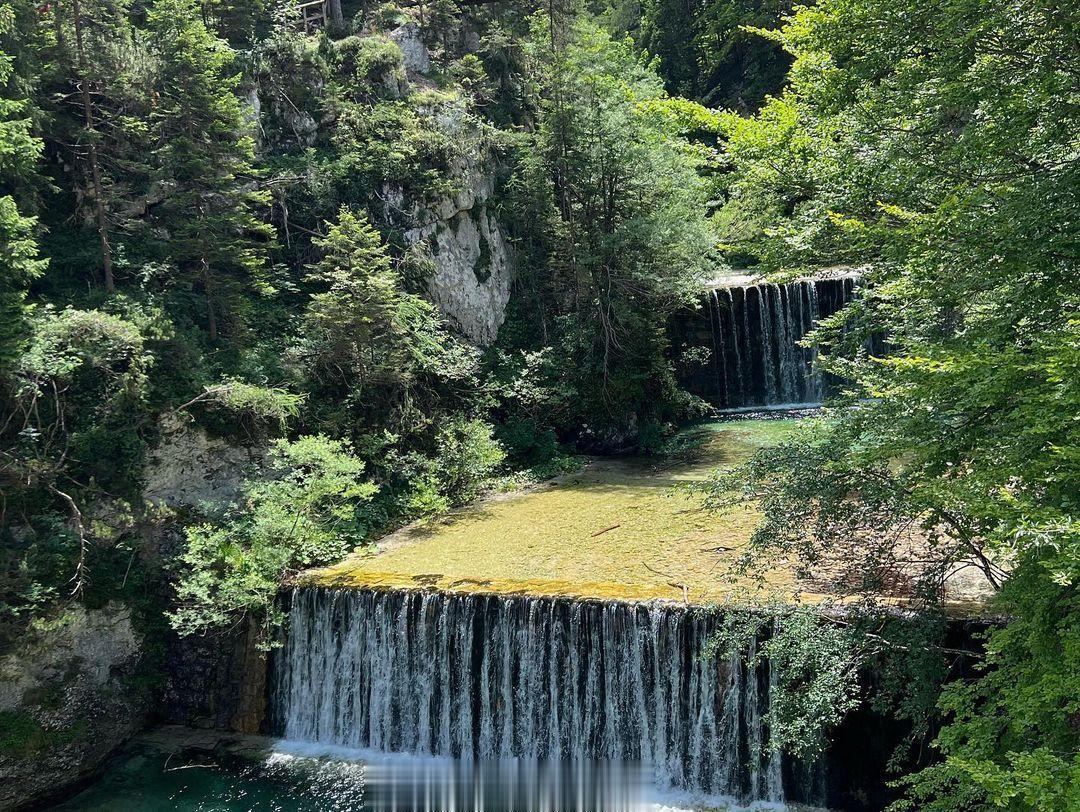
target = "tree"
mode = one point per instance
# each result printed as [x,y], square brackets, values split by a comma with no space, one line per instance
[71,427]
[613,213]
[937,147]
[709,51]
[368,344]
[83,83]
[204,158]
[301,512]
[89,67]
[19,151]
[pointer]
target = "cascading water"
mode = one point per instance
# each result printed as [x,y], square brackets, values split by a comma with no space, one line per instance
[753,334]
[494,677]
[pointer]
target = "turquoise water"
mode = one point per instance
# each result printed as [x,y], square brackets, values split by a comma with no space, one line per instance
[146,780]
[295,778]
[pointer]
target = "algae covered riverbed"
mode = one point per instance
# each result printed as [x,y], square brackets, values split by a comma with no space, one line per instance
[620,528]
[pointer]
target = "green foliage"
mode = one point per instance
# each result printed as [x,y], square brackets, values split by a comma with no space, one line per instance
[613,210]
[710,51]
[73,426]
[366,341]
[947,169]
[1011,741]
[237,21]
[390,141]
[204,156]
[467,454]
[368,65]
[814,666]
[235,407]
[24,737]
[35,571]
[264,402]
[459,463]
[304,510]
[19,151]
[22,265]
[77,389]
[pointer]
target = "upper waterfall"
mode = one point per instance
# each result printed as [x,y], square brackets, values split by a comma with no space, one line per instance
[752,330]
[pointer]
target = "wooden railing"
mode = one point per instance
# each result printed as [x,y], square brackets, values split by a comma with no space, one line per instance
[313,15]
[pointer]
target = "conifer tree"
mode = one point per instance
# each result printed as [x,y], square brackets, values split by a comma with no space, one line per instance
[204,158]
[87,66]
[19,150]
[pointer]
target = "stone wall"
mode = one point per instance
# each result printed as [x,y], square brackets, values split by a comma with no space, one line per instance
[216,681]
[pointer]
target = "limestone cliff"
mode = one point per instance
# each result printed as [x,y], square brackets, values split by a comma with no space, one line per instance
[473,269]
[69,695]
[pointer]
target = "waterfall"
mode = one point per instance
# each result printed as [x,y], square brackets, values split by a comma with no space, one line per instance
[738,355]
[754,330]
[495,677]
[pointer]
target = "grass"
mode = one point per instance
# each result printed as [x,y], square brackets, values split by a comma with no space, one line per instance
[618,529]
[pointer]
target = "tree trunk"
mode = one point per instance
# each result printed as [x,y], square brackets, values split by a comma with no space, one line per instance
[95,170]
[337,19]
[211,316]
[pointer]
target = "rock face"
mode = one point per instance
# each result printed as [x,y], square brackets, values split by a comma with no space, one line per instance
[217,681]
[474,268]
[413,51]
[189,467]
[473,276]
[68,698]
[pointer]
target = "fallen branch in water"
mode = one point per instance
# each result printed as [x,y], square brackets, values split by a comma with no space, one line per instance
[606,529]
[675,584]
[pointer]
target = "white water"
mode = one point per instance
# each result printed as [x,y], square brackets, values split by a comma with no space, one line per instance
[755,333]
[531,680]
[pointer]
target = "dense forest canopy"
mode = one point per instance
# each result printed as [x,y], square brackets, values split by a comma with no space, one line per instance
[215,216]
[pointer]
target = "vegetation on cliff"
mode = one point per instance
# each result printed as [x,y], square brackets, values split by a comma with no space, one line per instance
[213,220]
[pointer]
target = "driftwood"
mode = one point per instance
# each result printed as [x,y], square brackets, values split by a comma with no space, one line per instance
[674,584]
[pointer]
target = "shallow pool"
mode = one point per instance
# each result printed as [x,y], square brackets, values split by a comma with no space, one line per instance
[294,777]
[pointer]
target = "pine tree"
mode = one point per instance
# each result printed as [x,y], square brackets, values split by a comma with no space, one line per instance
[204,160]
[83,72]
[19,151]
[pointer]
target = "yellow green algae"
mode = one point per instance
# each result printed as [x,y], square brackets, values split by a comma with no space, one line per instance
[618,529]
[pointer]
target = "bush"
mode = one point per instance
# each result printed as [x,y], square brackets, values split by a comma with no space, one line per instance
[368,63]
[467,455]
[304,510]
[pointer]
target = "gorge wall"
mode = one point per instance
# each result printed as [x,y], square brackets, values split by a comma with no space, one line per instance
[69,694]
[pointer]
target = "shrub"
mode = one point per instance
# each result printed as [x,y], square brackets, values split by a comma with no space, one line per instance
[304,510]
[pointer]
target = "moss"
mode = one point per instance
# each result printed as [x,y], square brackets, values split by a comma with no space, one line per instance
[620,529]
[22,736]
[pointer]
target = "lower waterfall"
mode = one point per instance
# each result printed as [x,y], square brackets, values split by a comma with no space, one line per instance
[492,677]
